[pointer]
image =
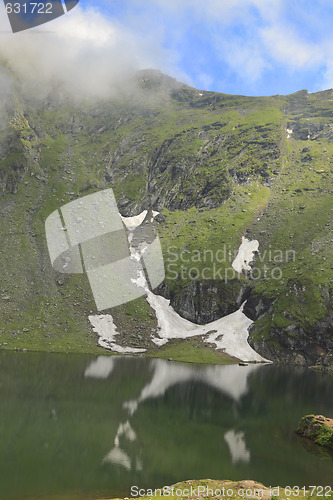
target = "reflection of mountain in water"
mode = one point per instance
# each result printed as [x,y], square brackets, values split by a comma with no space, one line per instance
[101,368]
[62,415]
[119,456]
[230,380]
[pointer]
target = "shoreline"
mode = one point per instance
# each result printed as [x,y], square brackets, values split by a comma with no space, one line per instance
[228,489]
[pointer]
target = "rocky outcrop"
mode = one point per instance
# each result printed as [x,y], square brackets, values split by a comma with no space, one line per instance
[218,167]
[205,301]
[293,343]
[256,306]
[13,162]
[317,428]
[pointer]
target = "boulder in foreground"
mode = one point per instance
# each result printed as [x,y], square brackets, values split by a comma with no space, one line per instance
[317,428]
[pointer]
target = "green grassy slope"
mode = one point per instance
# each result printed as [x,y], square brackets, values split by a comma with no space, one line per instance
[217,167]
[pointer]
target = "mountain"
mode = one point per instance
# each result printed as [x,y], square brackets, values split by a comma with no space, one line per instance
[217,168]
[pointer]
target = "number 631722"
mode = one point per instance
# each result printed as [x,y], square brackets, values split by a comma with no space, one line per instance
[29,8]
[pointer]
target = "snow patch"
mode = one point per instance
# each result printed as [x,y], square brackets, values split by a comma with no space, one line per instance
[245,255]
[132,223]
[159,342]
[229,333]
[171,325]
[104,326]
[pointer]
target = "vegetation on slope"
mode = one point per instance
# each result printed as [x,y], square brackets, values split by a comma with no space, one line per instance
[217,167]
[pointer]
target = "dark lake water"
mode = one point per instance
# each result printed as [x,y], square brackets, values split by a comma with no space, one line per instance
[82,427]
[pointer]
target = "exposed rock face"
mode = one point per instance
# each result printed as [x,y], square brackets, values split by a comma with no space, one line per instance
[256,306]
[204,302]
[219,167]
[293,344]
[14,164]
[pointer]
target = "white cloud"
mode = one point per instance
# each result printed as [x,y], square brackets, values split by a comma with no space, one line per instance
[286,47]
[91,54]
[249,37]
[204,80]
[243,56]
[327,77]
[87,26]
[225,11]
[83,50]
[231,27]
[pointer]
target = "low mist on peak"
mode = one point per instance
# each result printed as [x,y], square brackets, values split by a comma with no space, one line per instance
[81,56]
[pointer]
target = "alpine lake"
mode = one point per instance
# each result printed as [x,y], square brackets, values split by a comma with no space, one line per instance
[86,427]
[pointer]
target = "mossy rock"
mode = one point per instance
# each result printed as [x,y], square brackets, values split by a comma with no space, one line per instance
[317,428]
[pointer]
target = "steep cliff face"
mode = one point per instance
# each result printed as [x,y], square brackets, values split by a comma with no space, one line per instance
[13,162]
[292,342]
[217,167]
[204,301]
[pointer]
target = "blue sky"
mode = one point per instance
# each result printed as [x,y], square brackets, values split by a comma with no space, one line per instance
[249,47]
[252,47]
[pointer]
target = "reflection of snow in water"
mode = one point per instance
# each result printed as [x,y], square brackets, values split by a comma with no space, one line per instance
[229,379]
[237,446]
[118,456]
[126,430]
[101,368]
